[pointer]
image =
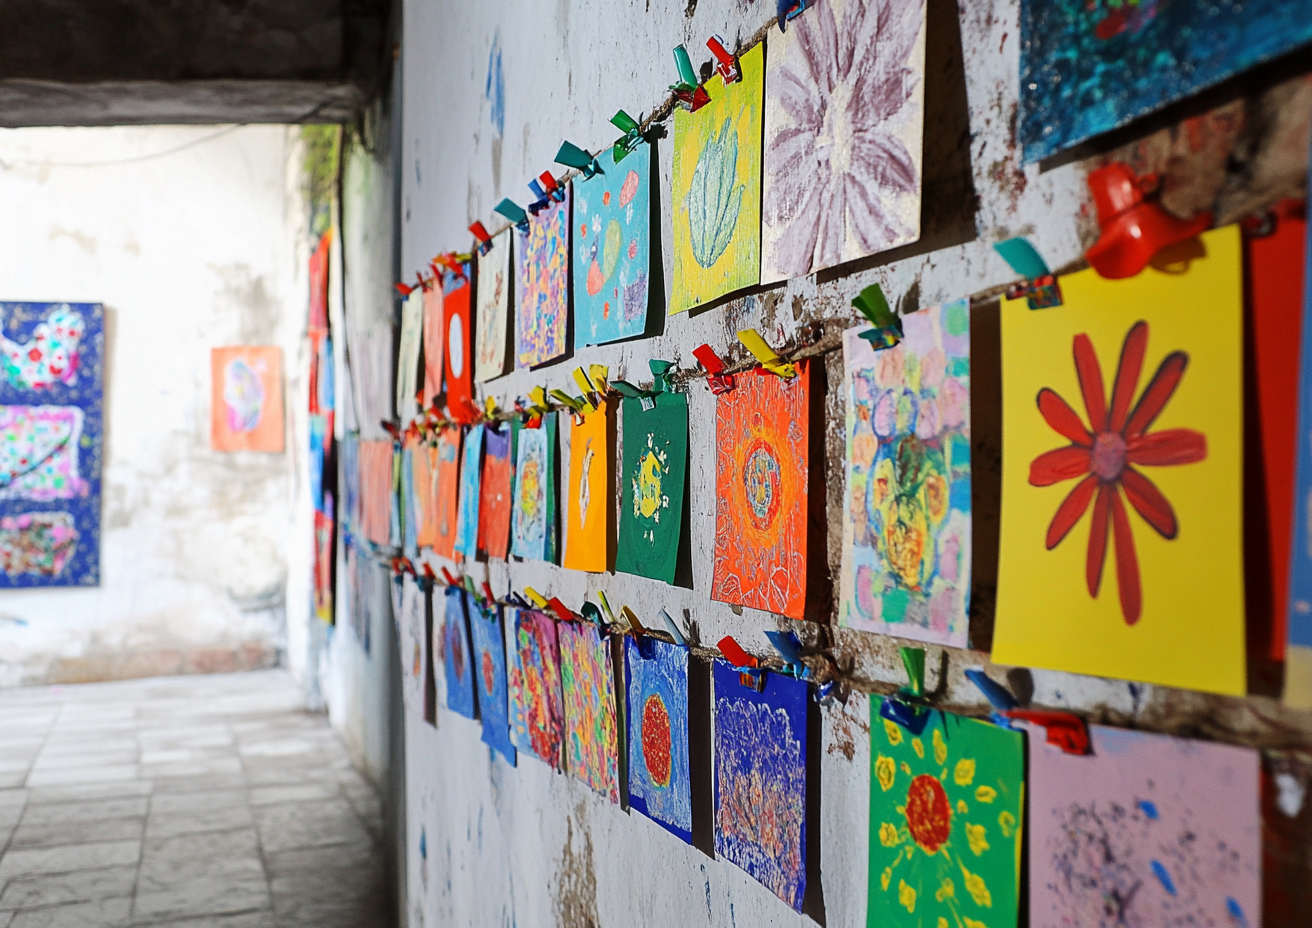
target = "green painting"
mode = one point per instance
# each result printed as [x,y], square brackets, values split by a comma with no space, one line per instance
[655,471]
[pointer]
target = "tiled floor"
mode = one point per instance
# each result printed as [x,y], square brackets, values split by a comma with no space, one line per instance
[201,801]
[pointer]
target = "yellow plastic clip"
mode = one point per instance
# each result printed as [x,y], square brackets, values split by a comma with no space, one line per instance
[593,387]
[574,404]
[537,398]
[490,406]
[754,343]
[627,614]
[535,597]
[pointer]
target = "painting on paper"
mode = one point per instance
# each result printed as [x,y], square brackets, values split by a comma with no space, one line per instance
[375,490]
[496,491]
[660,785]
[456,294]
[51,443]
[760,779]
[537,715]
[1145,830]
[423,459]
[655,472]
[1121,541]
[533,515]
[761,513]
[490,675]
[612,249]
[588,687]
[716,189]
[589,508]
[1298,653]
[447,502]
[492,311]
[407,359]
[844,120]
[542,287]
[246,399]
[467,516]
[907,521]
[457,658]
[434,343]
[412,641]
[947,811]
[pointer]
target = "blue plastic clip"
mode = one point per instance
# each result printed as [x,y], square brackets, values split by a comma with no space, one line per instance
[999,696]
[912,718]
[790,10]
[790,649]
[673,629]
[572,156]
[1040,287]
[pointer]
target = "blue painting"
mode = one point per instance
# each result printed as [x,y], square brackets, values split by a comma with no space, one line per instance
[612,249]
[456,655]
[1088,66]
[760,779]
[657,691]
[51,443]
[490,675]
[1298,654]
[467,513]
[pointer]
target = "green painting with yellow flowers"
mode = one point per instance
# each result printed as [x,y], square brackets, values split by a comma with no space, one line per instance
[946,815]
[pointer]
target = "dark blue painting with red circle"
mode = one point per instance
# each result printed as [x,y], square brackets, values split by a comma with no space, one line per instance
[659,785]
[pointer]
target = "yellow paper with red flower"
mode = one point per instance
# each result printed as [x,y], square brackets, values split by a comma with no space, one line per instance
[1121,542]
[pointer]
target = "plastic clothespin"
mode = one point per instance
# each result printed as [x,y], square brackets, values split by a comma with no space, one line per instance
[403,289]
[573,403]
[1066,731]
[828,693]
[553,188]
[913,659]
[673,629]
[605,605]
[517,601]
[790,649]
[754,343]
[572,156]
[632,138]
[479,231]
[690,94]
[592,615]
[999,696]
[901,708]
[725,63]
[659,370]
[593,384]
[563,612]
[631,617]
[537,599]
[872,304]
[488,598]
[1039,286]
[451,581]
[790,10]
[514,212]
[747,666]
[719,381]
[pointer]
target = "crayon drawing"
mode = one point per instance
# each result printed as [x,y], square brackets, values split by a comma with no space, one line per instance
[457,660]
[612,249]
[412,642]
[589,506]
[588,686]
[456,292]
[537,717]
[496,490]
[434,344]
[376,490]
[533,519]
[467,517]
[246,399]
[423,459]
[655,472]
[407,361]
[492,312]
[657,692]
[542,288]
[448,491]
[490,675]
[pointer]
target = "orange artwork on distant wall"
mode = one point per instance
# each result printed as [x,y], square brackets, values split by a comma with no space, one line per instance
[434,342]
[495,488]
[423,474]
[448,491]
[376,490]
[762,435]
[246,399]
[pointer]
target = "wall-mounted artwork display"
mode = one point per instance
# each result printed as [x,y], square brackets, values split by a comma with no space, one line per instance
[589,508]
[657,691]
[448,491]
[760,779]
[533,517]
[844,120]
[423,459]
[456,296]
[762,433]
[434,342]
[653,478]
[947,812]
[715,194]
[542,285]
[588,687]
[412,642]
[492,311]
[51,443]
[490,676]
[1121,543]
[407,359]
[457,657]
[497,490]
[375,490]
[1297,597]
[467,515]
[612,249]
[907,518]
[246,399]
[537,715]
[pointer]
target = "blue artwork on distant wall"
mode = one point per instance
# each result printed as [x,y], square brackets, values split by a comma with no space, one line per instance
[51,443]
[657,686]
[1088,66]
[490,675]
[457,660]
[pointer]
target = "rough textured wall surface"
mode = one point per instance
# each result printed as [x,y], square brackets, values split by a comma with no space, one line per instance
[529,847]
[192,238]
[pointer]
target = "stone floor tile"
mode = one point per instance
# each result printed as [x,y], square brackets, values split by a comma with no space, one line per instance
[45,813]
[163,803]
[83,792]
[320,824]
[103,913]
[36,860]
[215,895]
[59,888]
[294,792]
[264,919]
[206,845]
[219,818]
[204,783]
[82,774]
[76,831]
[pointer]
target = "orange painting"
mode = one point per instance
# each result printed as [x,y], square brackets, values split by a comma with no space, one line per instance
[448,491]
[587,535]
[423,474]
[376,490]
[434,341]
[246,399]
[494,506]
[761,436]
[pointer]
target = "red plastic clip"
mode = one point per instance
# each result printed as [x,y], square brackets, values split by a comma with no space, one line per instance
[1134,228]
[479,231]
[553,190]
[739,658]
[563,612]
[726,64]
[487,593]
[1066,731]
[391,428]
[446,575]
[404,289]
[719,381]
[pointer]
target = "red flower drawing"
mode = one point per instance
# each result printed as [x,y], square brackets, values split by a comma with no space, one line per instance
[1107,455]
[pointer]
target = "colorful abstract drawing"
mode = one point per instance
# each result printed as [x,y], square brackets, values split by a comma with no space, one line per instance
[490,675]
[1088,66]
[246,399]
[588,689]
[325,560]
[457,658]
[907,525]
[497,490]
[375,490]
[1121,549]
[1298,653]
[716,189]
[407,360]
[434,343]
[589,506]
[542,289]
[760,780]
[467,518]
[612,249]
[844,126]
[1144,830]
[947,811]
[448,491]
[412,502]
[761,437]
[51,443]
[655,472]
[657,692]
[533,519]
[537,715]
[457,293]
[408,605]
[423,459]
[492,312]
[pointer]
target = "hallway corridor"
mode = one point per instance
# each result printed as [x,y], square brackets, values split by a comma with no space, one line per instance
[199,801]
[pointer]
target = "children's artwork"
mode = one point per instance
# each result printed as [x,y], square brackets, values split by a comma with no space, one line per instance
[448,491]
[456,294]
[612,249]
[652,481]
[947,811]
[424,470]
[246,399]
[542,290]
[716,189]
[457,659]
[51,443]
[496,492]
[537,716]
[492,312]
[533,519]
[1089,67]
[434,343]
[1152,589]
[589,507]
[761,438]
[1145,830]
[588,687]
[657,692]
[844,126]
[375,490]
[412,642]
[467,517]
[407,362]
[490,674]
[760,779]
[1298,654]
[907,522]
[325,560]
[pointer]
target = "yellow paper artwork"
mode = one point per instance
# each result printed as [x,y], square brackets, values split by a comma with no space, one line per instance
[590,505]
[1121,543]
